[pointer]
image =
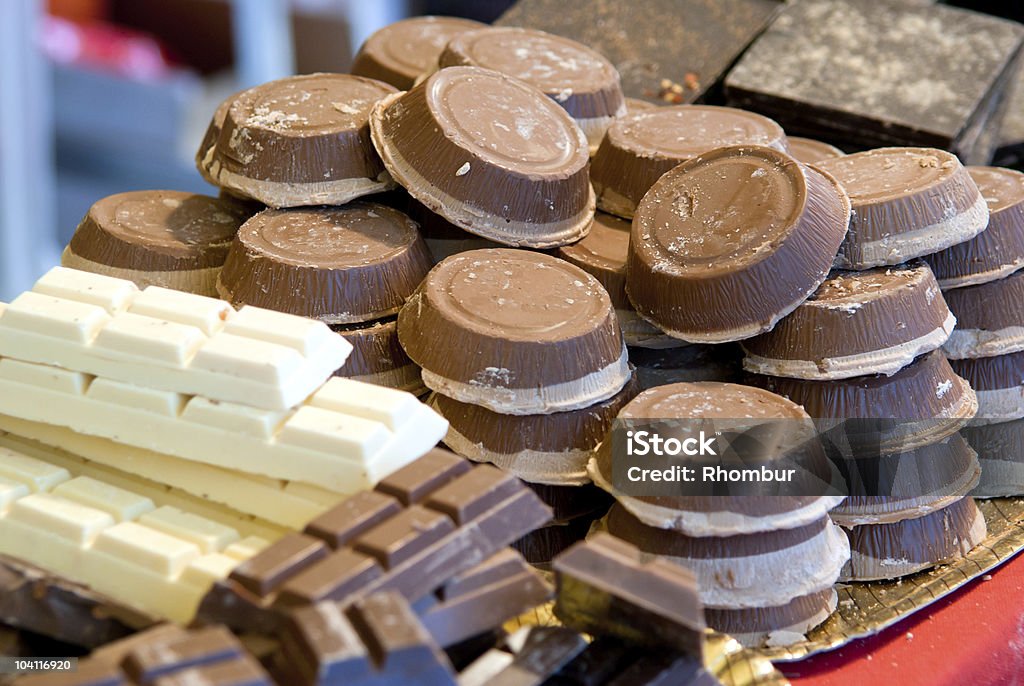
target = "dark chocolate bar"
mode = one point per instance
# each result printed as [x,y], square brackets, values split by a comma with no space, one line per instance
[604,587]
[416,530]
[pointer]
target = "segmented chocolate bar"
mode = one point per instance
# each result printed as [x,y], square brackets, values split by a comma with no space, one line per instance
[375,641]
[175,341]
[165,656]
[419,528]
[287,503]
[556,656]
[160,560]
[603,586]
[344,437]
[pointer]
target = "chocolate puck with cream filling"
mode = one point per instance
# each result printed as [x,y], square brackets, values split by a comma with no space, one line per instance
[515,331]
[727,244]
[443,238]
[1000,449]
[888,551]
[889,488]
[302,140]
[545,448]
[731,570]
[204,156]
[718,515]
[907,202]
[989,318]
[400,52]
[774,626]
[643,145]
[491,154]
[999,384]
[697,362]
[603,252]
[856,323]
[810,151]
[922,403]
[378,358]
[996,252]
[337,264]
[156,238]
[578,78]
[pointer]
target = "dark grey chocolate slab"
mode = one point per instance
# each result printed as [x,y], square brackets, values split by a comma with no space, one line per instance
[665,50]
[870,73]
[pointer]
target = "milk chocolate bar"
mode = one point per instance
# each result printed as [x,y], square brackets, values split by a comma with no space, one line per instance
[297,141]
[728,243]
[376,640]
[345,436]
[907,202]
[165,656]
[160,560]
[156,238]
[176,341]
[340,265]
[453,139]
[671,51]
[400,52]
[419,527]
[578,78]
[916,49]
[604,586]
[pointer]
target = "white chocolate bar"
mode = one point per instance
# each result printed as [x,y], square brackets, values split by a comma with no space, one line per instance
[158,559]
[169,340]
[161,494]
[344,438]
[286,503]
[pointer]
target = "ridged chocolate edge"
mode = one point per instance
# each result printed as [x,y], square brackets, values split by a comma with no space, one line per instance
[990,306]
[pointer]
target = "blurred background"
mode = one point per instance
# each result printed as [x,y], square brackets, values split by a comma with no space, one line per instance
[104,96]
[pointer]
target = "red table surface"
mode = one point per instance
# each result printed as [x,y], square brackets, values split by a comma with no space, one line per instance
[972,637]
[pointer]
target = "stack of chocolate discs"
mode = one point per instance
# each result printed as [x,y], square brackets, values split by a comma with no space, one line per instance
[352,267]
[984,286]
[862,357]
[528,366]
[735,544]
[157,238]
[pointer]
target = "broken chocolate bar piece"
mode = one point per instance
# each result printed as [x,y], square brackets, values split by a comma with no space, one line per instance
[671,51]
[164,656]
[604,586]
[377,640]
[935,76]
[419,527]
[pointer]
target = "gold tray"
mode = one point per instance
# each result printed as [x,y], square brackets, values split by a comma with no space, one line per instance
[865,608]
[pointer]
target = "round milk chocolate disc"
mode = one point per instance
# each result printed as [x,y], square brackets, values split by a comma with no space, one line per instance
[443,238]
[920,404]
[888,551]
[658,367]
[999,384]
[990,318]
[341,265]
[731,570]
[996,252]
[204,156]
[810,151]
[738,407]
[378,358]
[602,252]
[728,243]
[643,145]
[1000,450]
[544,448]
[515,331]
[774,626]
[579,79]
[907,202]
[856,323]
[491,154]
[302,140]
[400,52]
[164,238]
